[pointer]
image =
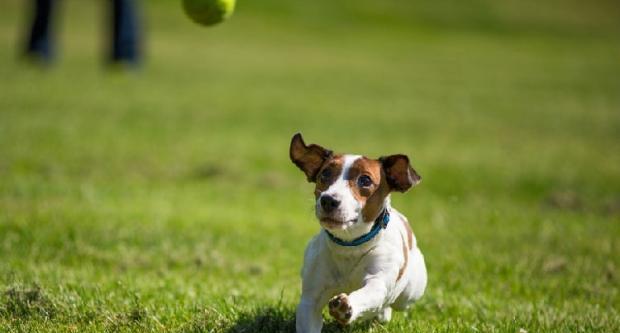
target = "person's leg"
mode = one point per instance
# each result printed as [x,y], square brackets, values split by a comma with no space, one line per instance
[125,32]
[40,43]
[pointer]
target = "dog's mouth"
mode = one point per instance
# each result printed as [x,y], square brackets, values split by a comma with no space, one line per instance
[332,223]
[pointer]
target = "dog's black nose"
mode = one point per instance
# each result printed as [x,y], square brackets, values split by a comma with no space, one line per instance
[329,203]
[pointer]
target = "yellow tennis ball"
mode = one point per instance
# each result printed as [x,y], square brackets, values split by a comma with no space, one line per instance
[209,12]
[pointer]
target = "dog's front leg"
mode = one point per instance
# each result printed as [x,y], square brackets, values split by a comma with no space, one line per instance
[368,300]
[308,318]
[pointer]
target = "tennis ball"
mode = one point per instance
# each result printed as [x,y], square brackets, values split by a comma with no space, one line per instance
[208,12]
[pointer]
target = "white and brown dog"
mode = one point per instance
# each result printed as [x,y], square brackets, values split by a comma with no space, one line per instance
[365,262]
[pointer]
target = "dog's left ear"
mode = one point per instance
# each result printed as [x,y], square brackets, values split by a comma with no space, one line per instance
[400,175]
[308,158]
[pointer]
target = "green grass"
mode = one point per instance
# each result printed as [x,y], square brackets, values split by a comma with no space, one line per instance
[164,200]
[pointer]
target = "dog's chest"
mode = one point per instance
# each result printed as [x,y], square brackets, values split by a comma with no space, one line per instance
[348,268]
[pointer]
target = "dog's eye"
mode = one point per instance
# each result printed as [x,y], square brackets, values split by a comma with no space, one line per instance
[326,174]
[364,181]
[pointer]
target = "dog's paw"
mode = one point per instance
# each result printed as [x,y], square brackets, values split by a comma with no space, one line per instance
[340,309]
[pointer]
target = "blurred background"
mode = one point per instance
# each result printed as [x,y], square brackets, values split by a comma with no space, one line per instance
[161,197]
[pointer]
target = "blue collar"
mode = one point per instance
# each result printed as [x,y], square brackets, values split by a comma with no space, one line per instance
[380,223]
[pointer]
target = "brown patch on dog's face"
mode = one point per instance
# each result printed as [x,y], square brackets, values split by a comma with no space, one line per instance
[328,174]
[371,191]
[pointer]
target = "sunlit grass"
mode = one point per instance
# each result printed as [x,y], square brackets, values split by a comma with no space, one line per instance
[164,200]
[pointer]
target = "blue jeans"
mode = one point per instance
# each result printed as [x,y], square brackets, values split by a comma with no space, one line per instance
[125,43]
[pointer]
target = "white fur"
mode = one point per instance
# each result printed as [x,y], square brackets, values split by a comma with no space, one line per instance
[368,273]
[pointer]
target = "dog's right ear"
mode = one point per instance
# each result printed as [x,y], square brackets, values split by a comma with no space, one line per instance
[308,158]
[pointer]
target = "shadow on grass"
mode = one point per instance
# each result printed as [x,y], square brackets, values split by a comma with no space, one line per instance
[281,320]
[23,303]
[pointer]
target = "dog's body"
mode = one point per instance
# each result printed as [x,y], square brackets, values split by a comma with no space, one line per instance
[366,261]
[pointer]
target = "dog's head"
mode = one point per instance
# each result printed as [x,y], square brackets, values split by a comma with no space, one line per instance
[351,190]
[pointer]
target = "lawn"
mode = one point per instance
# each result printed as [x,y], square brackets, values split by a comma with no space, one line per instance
[163,200]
